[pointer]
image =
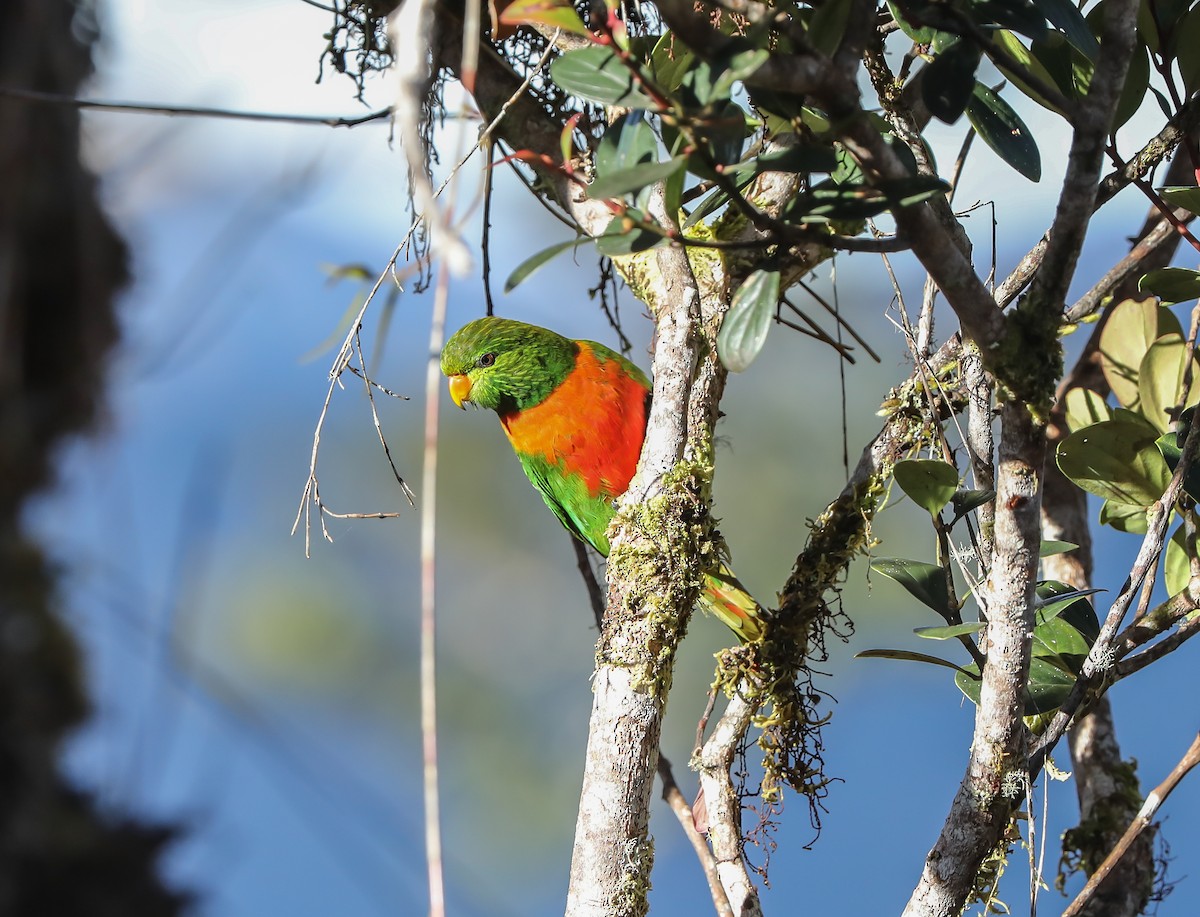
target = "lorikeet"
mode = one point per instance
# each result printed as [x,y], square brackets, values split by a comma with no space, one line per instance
[575,413]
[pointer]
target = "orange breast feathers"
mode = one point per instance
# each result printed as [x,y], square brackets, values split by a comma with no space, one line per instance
[592,425]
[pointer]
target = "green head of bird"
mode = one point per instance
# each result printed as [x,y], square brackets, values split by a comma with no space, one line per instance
[505,365]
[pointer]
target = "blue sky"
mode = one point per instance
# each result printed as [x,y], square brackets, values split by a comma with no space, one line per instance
[269,703]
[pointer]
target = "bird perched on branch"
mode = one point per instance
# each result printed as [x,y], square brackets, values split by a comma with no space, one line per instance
[575,413]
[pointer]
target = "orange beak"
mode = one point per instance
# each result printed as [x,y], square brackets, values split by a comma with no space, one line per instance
[460,389]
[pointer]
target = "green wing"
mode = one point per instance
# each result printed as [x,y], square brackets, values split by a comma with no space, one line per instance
[584,516]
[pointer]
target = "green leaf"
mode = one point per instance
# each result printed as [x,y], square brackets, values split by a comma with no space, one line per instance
[1050,548]
[531,264]
[1004,132]
[557,14]
[904,192]
[801,158]
[1085,407]
[948,81]
[925,582]
[1132,326]
[624,235]
[1057,640]
[1055,599]
[1019,15]
[1065,15]
[1169,445]
[1133,91]
[922,35]
[930,484]
[827,26]
[964,501]
[744,330]
[1112,460]
[1171,284]
[1047,690]
[1124,518]
[596,73]
[632,179]
[1185,196]
[1030,64]
[1187,51]
[1160,380]
[949,631]
[669,61]
[1177,568]
[910,656]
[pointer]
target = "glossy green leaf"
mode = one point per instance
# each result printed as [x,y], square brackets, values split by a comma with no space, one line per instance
[1187,51]
[1169,445]
[1065,15]
[1029,65]
[669,61]
[557,14]
[921,34]
[596,73]
[1171,284]
[626,235]
[1055,599]
[1160,380]
[827,26]
[949,631]
[745,328]
[1124,517]
[1132,326]
[1047,690]
[616,184]
[930,484]
[1085,407]
[904,192]
[925,582]
[1018,15]
[1185,196]
[910,656]
[1115,460]
[964,501]
[531,264]
[948,81]
[1133,91]
[1056,639]
[1051,548]
[1069,70]
[1003,131]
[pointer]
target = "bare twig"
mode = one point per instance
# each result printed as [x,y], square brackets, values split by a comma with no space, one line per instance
[1143,820]
[190,111]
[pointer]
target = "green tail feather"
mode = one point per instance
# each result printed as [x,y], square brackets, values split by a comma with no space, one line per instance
[725,597]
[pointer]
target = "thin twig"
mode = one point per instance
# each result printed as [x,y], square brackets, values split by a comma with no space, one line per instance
[190,111]
[1143,820]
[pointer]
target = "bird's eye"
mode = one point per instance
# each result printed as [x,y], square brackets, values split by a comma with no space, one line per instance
[488,359]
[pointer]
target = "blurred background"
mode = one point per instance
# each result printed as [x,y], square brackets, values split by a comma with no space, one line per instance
[268,703]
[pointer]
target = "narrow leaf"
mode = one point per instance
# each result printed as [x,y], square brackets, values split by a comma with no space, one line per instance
[1050,548]
[1066,16]
[531,264]
[950,631]
[910,656]
[1004,132]
[1187,196]
[632,179]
